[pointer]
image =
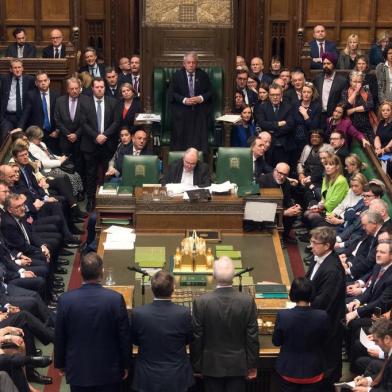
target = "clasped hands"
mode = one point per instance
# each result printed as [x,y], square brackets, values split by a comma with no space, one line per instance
[193,101]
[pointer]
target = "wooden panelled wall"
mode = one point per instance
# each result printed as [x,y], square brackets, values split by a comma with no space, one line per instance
[264,27]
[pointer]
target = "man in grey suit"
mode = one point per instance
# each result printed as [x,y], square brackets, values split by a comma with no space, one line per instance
[226,346]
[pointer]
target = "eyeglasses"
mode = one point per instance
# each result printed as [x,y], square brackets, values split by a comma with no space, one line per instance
[282,174]
[19,206]
[365,196]
[314,242]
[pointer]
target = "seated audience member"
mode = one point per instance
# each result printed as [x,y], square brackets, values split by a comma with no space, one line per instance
[294,94]
[276,118]
[241,85]
[124,66]
[359,259]
[13,93]
[131,144]
[92,67]
[20,48]
[257,67]
[307,111]
[340,122]
[266,138]
[359,104]
[333,190]
[239,102]
[377,51]
[301,333]
[112,85]
[240,63]
[380,206]
[275,67]
[188,171]
[319,46]
[354,165]
[260,166]
[128,106]
[135,74]
[338,142]
[278,178]
[52,164]
[383,76]
[56,50]
[329,85]
[163,363]
[383,139]
[243,132]
[349,55]
[370,80]
[39,111]
[253,83]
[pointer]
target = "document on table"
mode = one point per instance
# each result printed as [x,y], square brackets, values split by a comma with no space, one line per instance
[119,238]
[179,189]
[260,211]
[231,118]
[221,188]
[369,344]
[348,385]
[148,117]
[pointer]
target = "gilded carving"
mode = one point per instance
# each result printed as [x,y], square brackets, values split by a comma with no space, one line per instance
[188,13]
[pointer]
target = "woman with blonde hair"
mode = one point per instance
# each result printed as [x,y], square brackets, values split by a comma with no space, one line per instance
[350,53]
[377,51]
[354,165]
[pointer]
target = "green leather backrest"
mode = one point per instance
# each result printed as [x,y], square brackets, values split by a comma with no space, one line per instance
[162,77]
[234,164]
[175,155]
[139,170]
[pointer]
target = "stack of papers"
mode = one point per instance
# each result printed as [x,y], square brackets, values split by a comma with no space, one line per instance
[119,238]
[148,117]
[369,344]
[222,188]
[231,118]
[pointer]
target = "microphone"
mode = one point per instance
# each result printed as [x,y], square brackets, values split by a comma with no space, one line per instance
[137,269]
[247,269]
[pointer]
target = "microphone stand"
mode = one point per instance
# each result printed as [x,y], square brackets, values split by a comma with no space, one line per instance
[144,287]
[239,274]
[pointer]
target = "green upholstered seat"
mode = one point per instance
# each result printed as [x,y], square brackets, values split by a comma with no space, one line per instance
[175,155]
[234,164]
[139,170]
[162,77]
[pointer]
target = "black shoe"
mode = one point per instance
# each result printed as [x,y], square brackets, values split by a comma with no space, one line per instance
[58,285]
[90,205]
[77,220]
[75,230]
[37,378]
[71,244]
[290,240]
[40,362]
[308,260]
[80,196]
[58,279]
[62,262]
[61,271]
[65,252]
[38,352]
[55,298]
[52,307]
[76,213]
[57,290]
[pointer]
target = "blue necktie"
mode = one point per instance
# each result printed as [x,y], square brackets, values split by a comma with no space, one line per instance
[45,110]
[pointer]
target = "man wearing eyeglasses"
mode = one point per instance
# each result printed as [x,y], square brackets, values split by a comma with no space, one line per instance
[328,278]
[56,50]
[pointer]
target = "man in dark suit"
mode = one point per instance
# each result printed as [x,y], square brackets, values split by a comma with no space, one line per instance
[260,166]
[318,46]
[188,171]
[136,82]
[330,86]
[92,67]
[241,81]
[294,94]
[125,75]
[69,118]
[257,67]
[327,276]
[13,96]
[190,98]
[112,88]
[162,330]
[276,117]
[20,48]
[226,346]
[380,206]
[56,50]
[39,111]
[95,361]
[99,136]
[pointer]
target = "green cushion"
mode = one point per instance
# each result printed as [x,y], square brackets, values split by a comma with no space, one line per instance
[162,77]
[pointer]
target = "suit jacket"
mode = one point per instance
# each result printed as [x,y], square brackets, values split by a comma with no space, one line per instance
[124,79]
[89,128]
[301,332]
[365,258]
[335,96]
[377,294]
[201,174]
[98,358]
[15,239]
[162,330]
[101,68]
[385,384]
[48,52]
[261,167]
[33,113]
[6,80]
[329,290]
[7,259]
[114,94]
[268,120]
[315,52]
[268,181]
[129,118]
[226,334]
[29,51]
[252,96]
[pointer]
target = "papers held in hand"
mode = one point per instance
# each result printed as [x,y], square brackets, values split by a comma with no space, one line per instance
[347,385]
[260,211]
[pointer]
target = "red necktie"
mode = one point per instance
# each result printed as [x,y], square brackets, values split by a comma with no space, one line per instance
[321,49]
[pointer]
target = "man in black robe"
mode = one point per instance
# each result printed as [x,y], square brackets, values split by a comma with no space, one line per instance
[190,100]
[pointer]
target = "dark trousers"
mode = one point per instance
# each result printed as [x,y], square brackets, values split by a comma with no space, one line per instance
[9,122]
[224,384]
[61,184]
[99,388]
[52,143]
[285,386]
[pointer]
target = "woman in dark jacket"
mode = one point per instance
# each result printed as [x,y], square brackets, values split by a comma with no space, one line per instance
[244,131]
[128,106]
[370,81]
[301,333]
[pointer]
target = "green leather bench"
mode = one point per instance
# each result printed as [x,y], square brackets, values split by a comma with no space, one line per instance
[162,77]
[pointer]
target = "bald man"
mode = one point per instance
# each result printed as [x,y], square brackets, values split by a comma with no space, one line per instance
[188,171]
[320,45]
[56,50]
[257,67]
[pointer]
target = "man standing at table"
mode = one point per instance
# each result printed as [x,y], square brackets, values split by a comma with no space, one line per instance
[190,97]
[92,336]
[226,346]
